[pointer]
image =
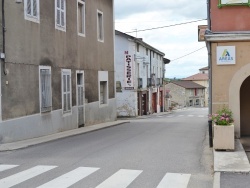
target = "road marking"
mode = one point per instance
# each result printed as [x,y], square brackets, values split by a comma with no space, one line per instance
[70,178]
[170,116]
[23,176]
[180,115]
[6,167]
[120,179]
[190,115]
[201,116]
[171,180]
[159,116]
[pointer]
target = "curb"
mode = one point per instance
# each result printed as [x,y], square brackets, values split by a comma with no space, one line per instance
[216,180]
[45,139]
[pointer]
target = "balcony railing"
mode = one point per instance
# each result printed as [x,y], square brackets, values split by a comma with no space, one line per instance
[148,82]
[159,81]
[140,83]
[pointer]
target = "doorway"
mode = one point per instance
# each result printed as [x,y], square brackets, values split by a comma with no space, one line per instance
[80,98]
[245,108]
[154,102]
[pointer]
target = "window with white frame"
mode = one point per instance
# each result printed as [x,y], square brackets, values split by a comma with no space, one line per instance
[66,91]
[31,8]
[103,92]
[45,88]
[100,30]
[81,17]
[60,14]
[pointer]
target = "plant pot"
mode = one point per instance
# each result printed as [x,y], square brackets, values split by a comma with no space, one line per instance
[224,137]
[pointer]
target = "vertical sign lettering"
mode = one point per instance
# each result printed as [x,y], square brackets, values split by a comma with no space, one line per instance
[129,85]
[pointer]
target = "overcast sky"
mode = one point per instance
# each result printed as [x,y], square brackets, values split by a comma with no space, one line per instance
[174,41]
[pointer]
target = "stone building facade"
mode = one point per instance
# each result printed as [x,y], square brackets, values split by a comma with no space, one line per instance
[57,68]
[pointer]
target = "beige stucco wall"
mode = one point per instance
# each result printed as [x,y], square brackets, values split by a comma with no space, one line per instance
[227,80]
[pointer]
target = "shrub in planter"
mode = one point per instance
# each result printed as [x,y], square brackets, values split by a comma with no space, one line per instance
[223,117]
[223,129]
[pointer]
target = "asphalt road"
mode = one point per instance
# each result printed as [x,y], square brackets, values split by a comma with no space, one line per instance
[158,151]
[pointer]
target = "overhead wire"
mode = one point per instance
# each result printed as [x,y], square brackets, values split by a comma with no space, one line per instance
[188,54]
[153,28]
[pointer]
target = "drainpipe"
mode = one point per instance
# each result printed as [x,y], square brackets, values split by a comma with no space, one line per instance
[209,58]
[150,88]
[210,130]
[3,30]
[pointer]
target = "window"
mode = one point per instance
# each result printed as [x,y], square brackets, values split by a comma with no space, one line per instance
[138,47]
[45,88]
[100,32]
[103,92]
[31,8]
[66,90]
[146,51]
[60,14]
[81,17]
[103,88]
[153,54]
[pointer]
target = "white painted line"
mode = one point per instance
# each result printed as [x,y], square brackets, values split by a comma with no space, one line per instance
[190,115]
[70,178]
[24,175]
[170,116]
[180,115]
[120,179]
[201,116]
[216,180]
[171,180]
[159,116]
[6,167]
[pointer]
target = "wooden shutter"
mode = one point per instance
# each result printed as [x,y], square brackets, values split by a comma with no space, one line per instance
[45,78]
[29,7]
[66,92]
[58,12]
[35,8]
[62,13]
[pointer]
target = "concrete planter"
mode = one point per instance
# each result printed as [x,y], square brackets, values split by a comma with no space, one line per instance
[223,137]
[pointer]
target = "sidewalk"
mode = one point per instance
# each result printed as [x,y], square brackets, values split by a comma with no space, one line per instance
[230,162]
[146,116]
[48,138]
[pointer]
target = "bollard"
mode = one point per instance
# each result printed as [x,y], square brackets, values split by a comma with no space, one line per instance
[210,130]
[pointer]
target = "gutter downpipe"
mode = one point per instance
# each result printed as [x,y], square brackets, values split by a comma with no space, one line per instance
[210,76]
[150,88]
[3,30]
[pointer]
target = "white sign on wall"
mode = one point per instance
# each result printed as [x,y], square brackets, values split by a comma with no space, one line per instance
[229,2]
[226,55]
[129,85]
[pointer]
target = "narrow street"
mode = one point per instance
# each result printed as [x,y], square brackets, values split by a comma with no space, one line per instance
[159,151]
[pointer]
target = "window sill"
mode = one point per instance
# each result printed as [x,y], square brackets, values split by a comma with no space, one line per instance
[81,34]
[99,40]
[61,28]
[32,19]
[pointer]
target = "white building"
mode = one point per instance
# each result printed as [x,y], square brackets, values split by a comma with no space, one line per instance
[139,76]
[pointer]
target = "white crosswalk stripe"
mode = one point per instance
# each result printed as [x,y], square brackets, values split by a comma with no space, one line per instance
[24,175]
[201,116]
[171,180]
[6,167]
[120,179]
[70,178]
[190,115]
